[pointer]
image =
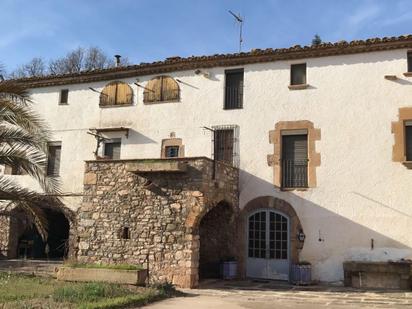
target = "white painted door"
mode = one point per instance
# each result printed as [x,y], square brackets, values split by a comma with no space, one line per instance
[268,245]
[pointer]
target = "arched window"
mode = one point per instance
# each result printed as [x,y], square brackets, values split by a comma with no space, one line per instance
[160,89]
[116,93]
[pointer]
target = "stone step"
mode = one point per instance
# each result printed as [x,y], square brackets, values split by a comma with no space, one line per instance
[47,268]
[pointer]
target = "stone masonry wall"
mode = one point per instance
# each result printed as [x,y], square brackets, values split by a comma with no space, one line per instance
[4,235]
[159,212]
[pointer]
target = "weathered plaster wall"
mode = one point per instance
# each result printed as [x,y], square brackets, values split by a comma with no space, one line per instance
[360,194]
[163,218]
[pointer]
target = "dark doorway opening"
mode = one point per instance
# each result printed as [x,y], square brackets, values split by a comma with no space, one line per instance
[217,233]
[31,245]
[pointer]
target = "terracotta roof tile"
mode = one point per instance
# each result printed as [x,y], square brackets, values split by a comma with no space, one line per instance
[256,55]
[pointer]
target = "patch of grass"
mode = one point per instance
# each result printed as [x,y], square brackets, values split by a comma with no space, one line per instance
[88,292]
[23,291]
[105,266]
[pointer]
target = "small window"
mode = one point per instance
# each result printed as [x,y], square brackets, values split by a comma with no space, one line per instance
[172,151]
[112,150]
[64,96]
[161,89]
[298,74]
[225,144]
[13,170]
[410,61]
[124,233]
[53,159]
[294,159]
[116,93]
[234,89]
[408,140]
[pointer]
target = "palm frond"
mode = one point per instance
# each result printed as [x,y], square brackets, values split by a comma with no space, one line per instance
[30,201]
[33,162]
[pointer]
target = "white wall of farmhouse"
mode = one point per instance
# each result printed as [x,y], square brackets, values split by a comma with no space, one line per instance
[361,194]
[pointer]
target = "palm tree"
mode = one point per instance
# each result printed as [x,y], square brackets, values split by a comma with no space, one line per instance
[23,145]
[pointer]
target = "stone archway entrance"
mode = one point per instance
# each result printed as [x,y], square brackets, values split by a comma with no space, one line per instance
[25,240]
[268,236]
[217,234]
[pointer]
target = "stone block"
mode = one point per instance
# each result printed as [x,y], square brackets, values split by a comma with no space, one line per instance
[90,178]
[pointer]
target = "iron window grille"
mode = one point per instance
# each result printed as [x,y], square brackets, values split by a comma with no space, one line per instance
[172,151]
[234,89]
[225,144]
[294,160]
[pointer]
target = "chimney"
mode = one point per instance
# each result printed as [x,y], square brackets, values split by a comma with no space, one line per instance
[117,61]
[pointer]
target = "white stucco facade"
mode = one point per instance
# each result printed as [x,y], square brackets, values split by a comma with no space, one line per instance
[361,194]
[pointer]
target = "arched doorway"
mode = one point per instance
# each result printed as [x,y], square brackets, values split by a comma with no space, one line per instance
[269,238]
[217,231]
[268,245]
[26,241]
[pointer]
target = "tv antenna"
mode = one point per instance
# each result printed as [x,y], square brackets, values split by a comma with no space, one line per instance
[239,19]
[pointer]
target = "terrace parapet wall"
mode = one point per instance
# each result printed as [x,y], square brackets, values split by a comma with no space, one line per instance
[158,209]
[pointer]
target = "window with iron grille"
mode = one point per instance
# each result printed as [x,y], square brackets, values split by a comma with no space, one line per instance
[112,149]
[298,74]
[53,159]
[408,140]
[172,151]
[410,61]
[234,89]
[225,144]
[294,159]
[64,96]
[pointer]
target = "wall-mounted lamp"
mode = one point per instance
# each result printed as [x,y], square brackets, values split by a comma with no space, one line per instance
[301,236]
[201,72]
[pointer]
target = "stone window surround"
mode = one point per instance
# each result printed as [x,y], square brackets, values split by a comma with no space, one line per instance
[275,138]
[172,142]
[398,130]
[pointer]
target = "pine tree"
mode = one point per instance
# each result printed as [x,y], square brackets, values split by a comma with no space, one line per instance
[316,40]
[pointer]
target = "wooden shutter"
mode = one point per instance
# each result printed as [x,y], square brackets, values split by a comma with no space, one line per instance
[161,88]
[116,93]
[124,94]
[408,142]
[53,160]
[108,95]
[409,61]
[170,89]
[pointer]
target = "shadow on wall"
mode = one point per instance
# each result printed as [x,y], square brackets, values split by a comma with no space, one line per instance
[332,238]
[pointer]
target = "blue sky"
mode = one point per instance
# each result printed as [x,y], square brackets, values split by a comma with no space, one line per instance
[150,30]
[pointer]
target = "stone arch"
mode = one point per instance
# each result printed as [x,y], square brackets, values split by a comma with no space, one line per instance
[197,214]
[269,202]
[60,229]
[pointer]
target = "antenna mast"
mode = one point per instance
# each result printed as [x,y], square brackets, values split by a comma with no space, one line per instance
[239,19]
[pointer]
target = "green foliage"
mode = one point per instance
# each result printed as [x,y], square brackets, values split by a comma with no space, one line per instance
[23,291]
[316,40]
[88,292]
[165,288]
